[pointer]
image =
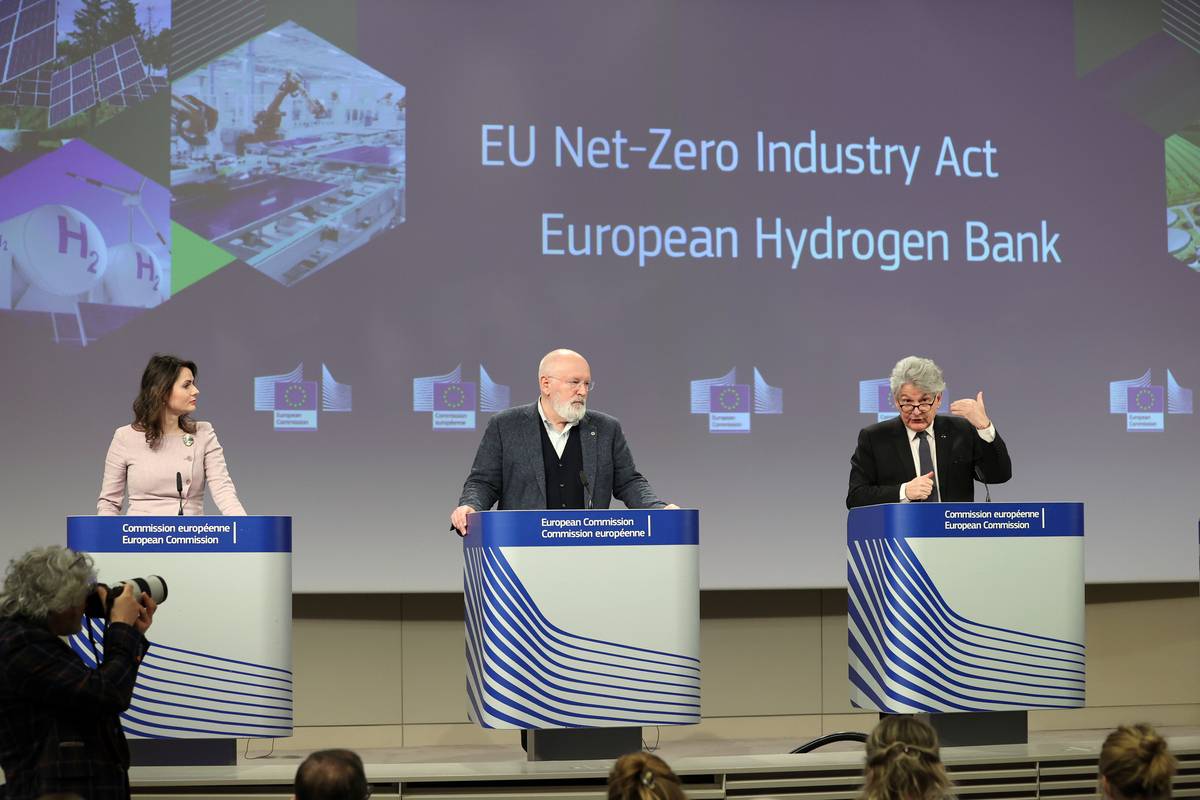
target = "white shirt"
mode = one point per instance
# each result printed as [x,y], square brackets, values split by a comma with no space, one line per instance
[557,438]
[988,434]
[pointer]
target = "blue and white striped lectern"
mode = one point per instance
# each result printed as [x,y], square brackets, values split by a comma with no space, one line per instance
[220,659]
[582,619]
[965,607]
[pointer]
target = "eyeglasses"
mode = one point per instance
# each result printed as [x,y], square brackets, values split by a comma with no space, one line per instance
[575,383]
[908,408]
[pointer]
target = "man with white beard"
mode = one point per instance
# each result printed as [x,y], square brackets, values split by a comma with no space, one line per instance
[554,453]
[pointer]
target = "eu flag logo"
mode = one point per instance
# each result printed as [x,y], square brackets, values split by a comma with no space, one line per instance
[454,397]
[1145,408]
[729,408]
[296,405]
[454,405]
[729,399]
[296,396]
[1146,399]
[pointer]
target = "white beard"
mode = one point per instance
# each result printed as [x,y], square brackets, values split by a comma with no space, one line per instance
[568,411]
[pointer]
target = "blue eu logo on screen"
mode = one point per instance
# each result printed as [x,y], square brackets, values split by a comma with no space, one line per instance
[453,402]
[730,405]
[293,401]
[1146,404]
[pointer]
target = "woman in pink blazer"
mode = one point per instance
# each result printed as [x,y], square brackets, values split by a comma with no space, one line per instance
[164,440]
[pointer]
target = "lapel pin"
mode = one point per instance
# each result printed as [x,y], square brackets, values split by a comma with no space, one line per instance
[188,440]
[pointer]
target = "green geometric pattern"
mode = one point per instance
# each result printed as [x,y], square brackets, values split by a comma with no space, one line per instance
[193,258]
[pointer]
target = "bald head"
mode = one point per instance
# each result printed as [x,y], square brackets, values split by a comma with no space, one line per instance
[557,361]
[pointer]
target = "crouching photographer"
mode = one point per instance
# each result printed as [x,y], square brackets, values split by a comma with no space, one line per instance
[60,729]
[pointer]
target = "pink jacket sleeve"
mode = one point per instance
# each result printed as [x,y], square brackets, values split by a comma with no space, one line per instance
[112,485]
[216,475]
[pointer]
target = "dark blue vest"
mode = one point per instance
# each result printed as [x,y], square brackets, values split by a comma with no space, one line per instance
[563,487]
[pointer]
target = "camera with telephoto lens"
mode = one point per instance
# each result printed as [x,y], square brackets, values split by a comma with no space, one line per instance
[153,585]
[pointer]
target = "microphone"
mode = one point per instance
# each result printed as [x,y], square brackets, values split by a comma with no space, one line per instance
[987,492]
[179,489]
[587,490]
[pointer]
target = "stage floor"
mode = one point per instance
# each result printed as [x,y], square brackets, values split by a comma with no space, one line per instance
[700,748]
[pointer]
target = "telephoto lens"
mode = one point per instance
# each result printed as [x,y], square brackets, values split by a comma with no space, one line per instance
[154,586]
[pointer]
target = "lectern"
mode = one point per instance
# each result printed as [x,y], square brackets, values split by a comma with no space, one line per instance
[966,607]
[582,620]
[219,665]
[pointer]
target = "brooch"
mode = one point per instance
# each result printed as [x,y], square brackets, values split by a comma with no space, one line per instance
[188,440]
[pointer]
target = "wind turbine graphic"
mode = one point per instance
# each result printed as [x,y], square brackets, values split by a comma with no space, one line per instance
[131,199]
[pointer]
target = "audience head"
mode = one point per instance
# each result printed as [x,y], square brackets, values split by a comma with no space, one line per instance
[1136,765]
[332,775]
[642,776]
[48,585]
[904,762]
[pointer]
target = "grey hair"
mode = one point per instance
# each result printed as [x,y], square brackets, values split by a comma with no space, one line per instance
[920,372]
[46,580]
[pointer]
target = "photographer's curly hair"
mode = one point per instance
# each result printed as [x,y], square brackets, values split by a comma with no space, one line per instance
[904,762]
[1136,764]
[158,379]
[45,581]
[642,776]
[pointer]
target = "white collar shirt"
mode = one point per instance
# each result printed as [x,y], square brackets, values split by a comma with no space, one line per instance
[558,439]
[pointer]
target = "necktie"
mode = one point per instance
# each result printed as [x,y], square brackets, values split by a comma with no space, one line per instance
[926,459]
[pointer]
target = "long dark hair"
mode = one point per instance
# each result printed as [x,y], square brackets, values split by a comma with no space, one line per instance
[157,381]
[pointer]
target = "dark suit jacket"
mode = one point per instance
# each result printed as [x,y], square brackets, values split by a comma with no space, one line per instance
[883,461]
[59,725]
[508,466]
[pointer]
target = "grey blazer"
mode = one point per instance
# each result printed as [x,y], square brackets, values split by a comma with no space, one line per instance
[508,466]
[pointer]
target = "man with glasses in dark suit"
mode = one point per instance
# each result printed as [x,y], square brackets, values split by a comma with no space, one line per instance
[922,455]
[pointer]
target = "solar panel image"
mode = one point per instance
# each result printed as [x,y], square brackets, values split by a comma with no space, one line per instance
[30,52]
[118,67]
[134,73]
[114,74]
[82,96]
[106,65]
[27,36]
[33,90]
[140,91]
[35,15]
